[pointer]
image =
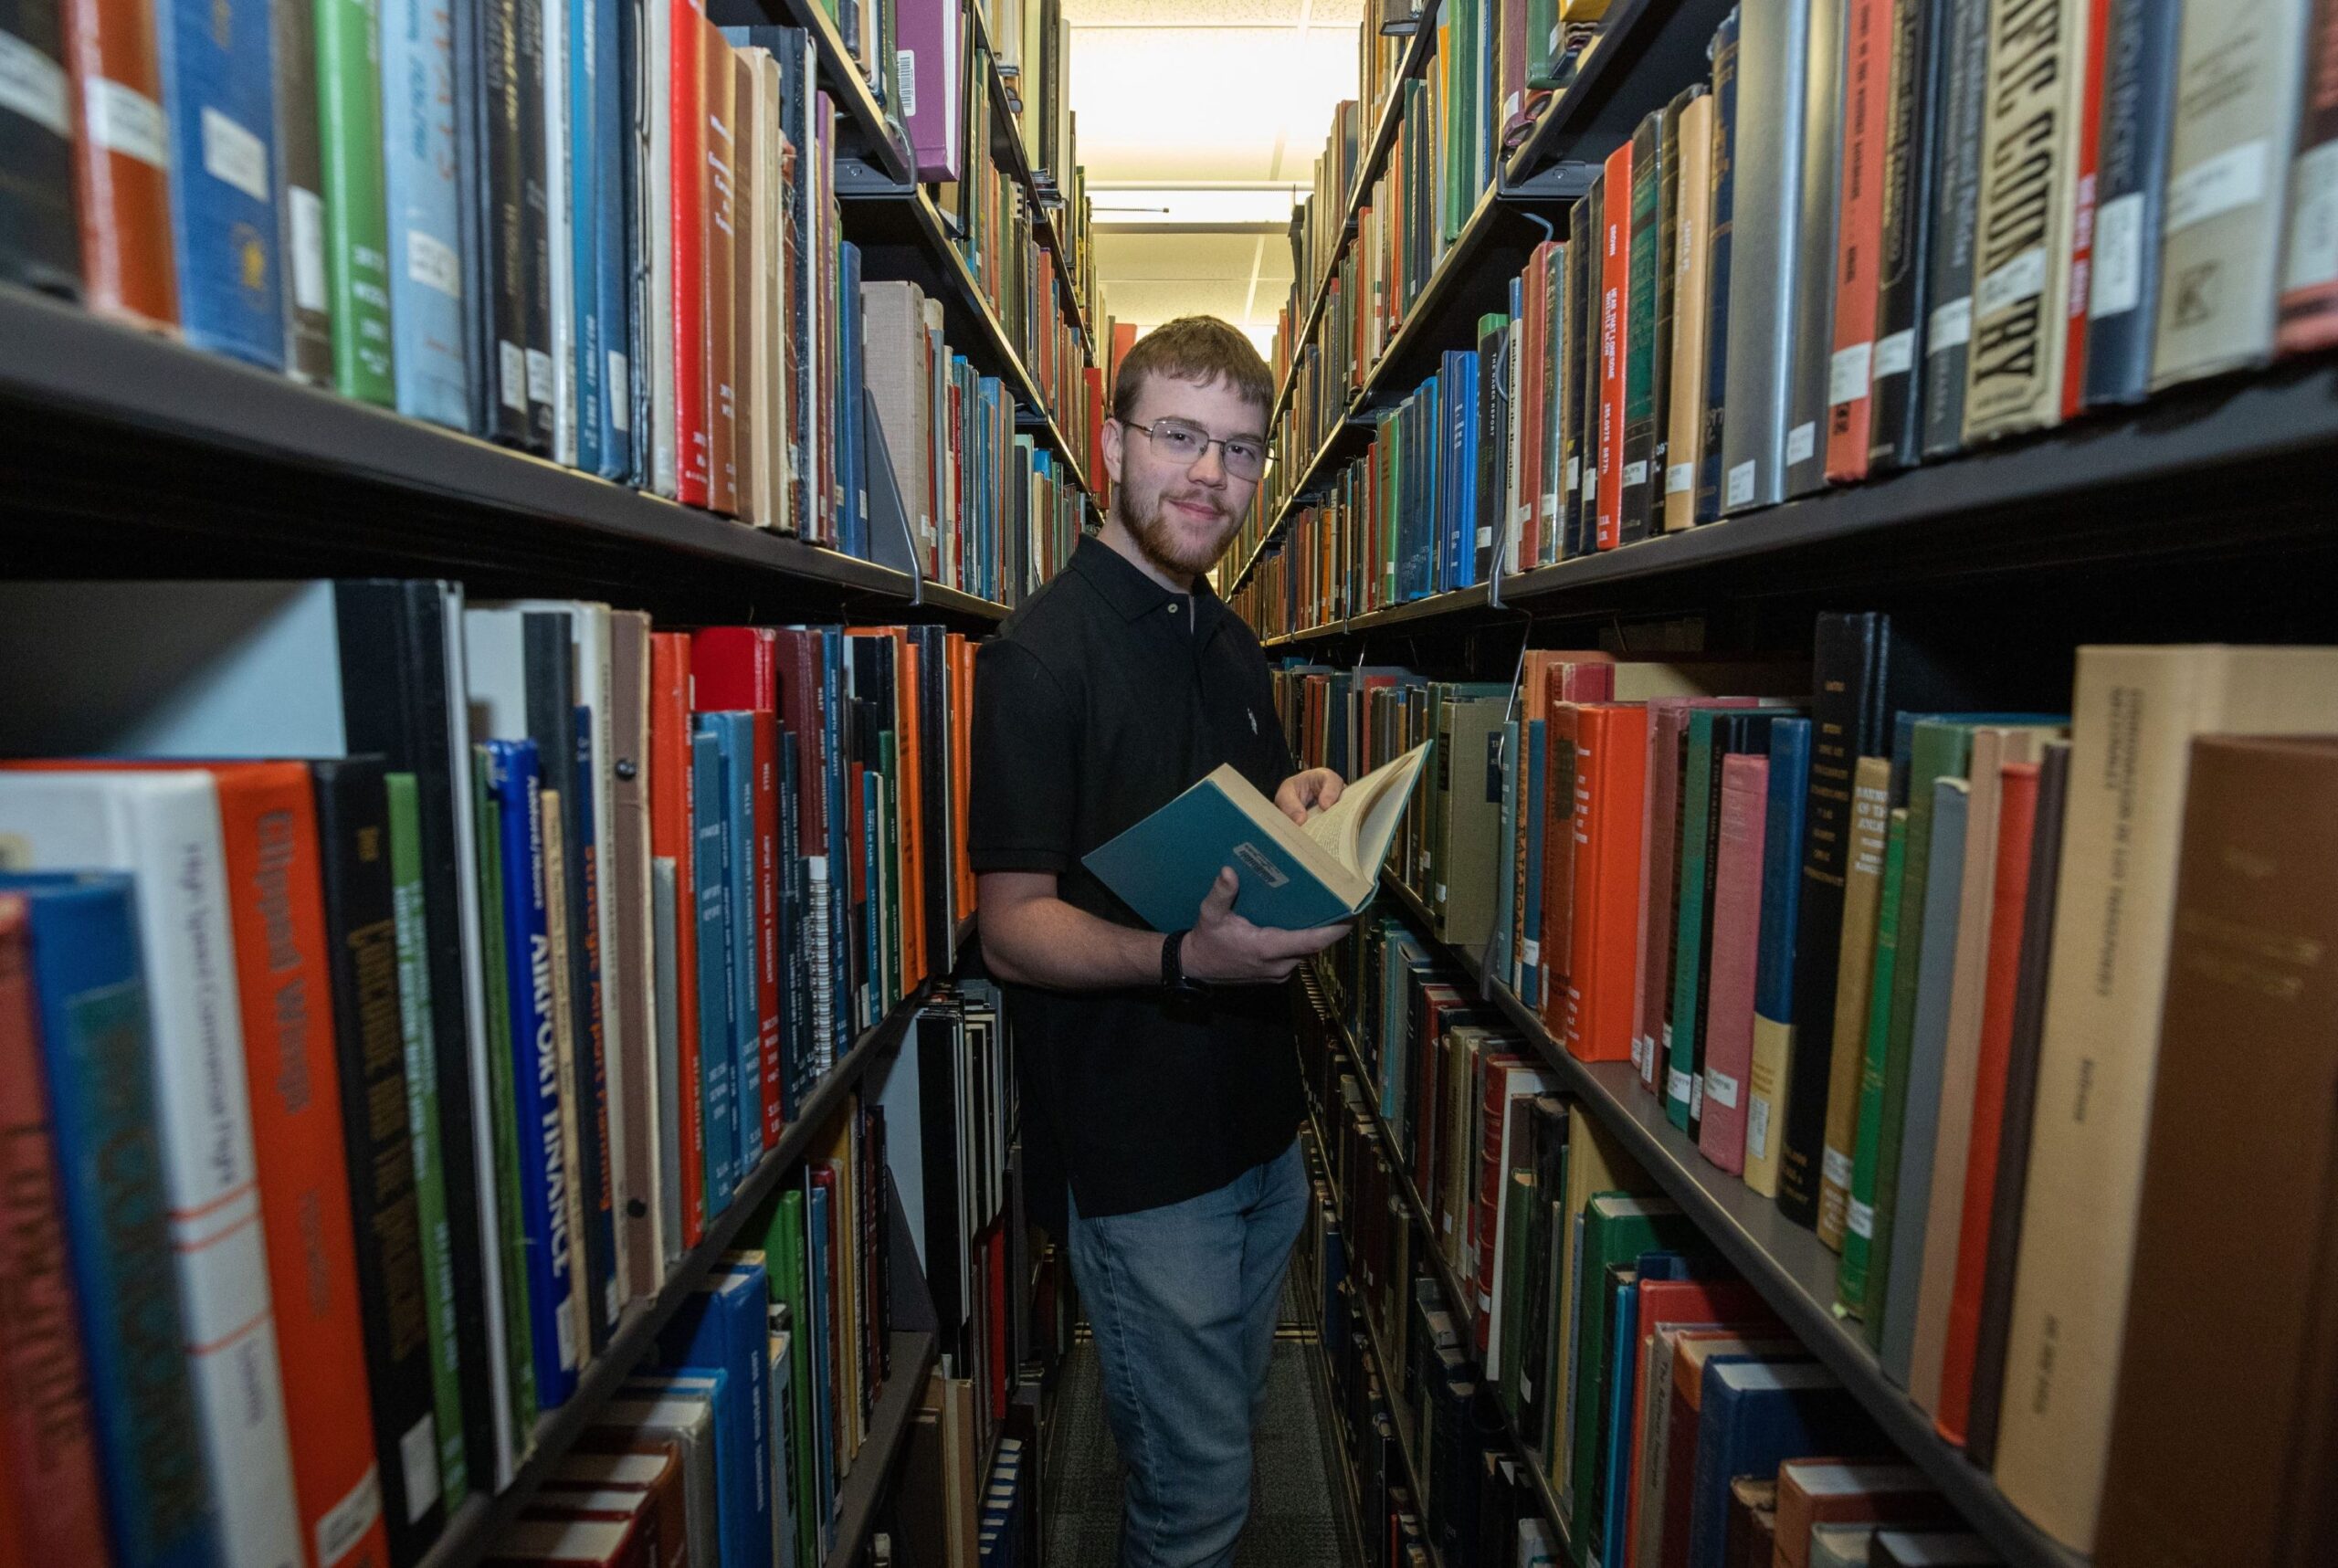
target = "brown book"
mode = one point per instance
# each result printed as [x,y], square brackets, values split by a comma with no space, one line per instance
[1816,1491]
[120,158]
[718,82]
[752,120]
[2226,1412]
[652,1468]
[1752,1524]
[299,199]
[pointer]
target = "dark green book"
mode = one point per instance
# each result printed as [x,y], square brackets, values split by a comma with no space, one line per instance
[1616,1228]
[1859,1233]
[784,1271]
[357,227]
[1642,360]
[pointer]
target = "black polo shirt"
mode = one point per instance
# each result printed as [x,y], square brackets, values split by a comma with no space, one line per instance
[1101,700]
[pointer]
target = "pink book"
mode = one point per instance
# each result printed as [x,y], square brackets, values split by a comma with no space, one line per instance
[1737,934]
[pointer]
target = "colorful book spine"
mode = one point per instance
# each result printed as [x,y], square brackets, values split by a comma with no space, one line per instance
[1963,42]
[1851,1295]
[219,93]
[357,233]
[2309,302]
[421,198]
[1736,933]
[578,78]
[122,161]
[1859,236]
[716,995]
[511,1235]
[593,1074]
[1612,267]
[2131,180]
[613,205]
[1774,1031]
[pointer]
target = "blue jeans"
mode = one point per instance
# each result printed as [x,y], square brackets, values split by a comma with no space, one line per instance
[1182,1299]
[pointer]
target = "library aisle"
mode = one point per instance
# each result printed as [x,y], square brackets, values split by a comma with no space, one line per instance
[1803,526]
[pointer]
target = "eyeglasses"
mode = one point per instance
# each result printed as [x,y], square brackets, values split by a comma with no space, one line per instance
[1184,444]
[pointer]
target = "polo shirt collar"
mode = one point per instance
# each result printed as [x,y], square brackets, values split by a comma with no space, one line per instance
[1131,591]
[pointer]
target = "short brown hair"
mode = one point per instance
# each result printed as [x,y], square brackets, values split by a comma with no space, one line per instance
[1199,349]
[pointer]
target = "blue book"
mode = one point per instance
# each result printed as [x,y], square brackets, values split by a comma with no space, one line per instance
[1756,1414]
[1782,847]
[513,779]
[1530,951]
[734,734]
[851,532]
[1457,490]
[721,1331]
[218,68]
[1614,1466]
[612,89]
[1292,878]
[587,217]
[89,995]
[718,1058]
[423,202]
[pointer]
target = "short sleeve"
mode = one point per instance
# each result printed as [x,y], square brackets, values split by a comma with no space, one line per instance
[1026,782]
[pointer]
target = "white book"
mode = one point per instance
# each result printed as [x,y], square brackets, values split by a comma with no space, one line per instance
[685,1417]
[164,829]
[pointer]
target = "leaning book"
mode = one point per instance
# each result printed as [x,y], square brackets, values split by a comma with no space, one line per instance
[1293,876]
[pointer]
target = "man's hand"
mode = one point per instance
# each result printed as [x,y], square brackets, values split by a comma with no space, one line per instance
[1303,794]
[1224,948]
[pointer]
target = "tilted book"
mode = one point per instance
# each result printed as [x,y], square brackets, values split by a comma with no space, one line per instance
[1294,877]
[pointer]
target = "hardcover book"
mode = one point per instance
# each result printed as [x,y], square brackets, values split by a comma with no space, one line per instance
[219,92]
[2130,187]
[1774,69]
[1821,200]
[1910,175]
[2309,304]
[1963,46]
[1692,262]
[38,248]
[357,250]
[423,203]
[300,203]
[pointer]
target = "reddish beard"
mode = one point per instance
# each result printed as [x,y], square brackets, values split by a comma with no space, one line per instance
[1159,541]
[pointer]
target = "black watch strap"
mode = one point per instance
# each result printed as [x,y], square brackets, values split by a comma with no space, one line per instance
[1173,968]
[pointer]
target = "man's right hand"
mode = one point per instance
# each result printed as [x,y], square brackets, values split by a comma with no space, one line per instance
[1224,948]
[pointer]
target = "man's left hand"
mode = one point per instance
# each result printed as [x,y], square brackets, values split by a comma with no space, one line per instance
[1303,795]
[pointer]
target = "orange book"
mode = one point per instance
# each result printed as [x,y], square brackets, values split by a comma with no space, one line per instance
[120,158]
[2017,829]
[1859,237]
[961,715]
[1614,263]
[1610,775]
[670,839]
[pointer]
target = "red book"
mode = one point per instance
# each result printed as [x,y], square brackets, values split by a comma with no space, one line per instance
[1531,347]
[121,157]
[1677,1303]
[1859,236]
[50,1509]
[670,840]
[692,455]
[1508,1080]
[2017,830]
[1437,999]
[2081,292]
[736,669]
[798,663]
[1737,935]
[1611,771]
[1613,270]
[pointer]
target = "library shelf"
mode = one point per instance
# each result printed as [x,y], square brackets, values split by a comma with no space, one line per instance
[1418,47]
[1794,1273]
[864,131]
[912,1356]
[470,1534]
[1008,150]
[2202,472]
[169,446]
[1457,1295]
[1646,51]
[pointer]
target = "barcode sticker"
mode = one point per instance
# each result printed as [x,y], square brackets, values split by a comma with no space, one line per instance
[2313,224]
[1847,373]
[1894,354]
[905,68]
[2023,277]
[1741,485]
[1639,1052]
[305,266]
[1696,1098]
[2233,178]
[123,120]
[1676,1084]
[1836,1167]
[1757,1128]
[1721,1088]
[1950,328]
[1802,441]
[2117,285]
[33,84]
[1680,478]
[538,376]
[512,375]
[433,263]
[233,155]
[1862,1221]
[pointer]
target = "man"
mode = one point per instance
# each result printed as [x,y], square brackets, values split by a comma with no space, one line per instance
[1160,1093]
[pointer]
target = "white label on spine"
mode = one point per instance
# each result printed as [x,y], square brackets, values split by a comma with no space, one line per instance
[1862,1221]
[306,266]
[346,1522]
[419,1451]
[33,84]
[434,264]
[2023,277]
[1696,1097]
[1676,1084]
[2313,220]
[1757,1128]
[538,376]
[1640,1053]
[905,67]
[512,375]
[1836,1167]
[1802,441]
[1680,478]
[1951,327]
[620,393]
[2117,285]
[1550,503]
[233,155]
[1485,537]
[1740,484]
[1847,372]
[1532,952]
[1894,354]
[1574,475]
[1722,1089]
[1636,473]
[2233,178]
[123,120]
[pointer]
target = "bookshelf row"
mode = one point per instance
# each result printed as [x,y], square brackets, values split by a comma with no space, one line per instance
[1786,1262]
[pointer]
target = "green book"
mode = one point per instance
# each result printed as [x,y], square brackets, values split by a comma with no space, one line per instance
[518,1340]
[1683,1084]
[1858,1232]
[412,922]
[1517,1228]
[1642,368]
[784,1271]
[357,225]
[1616,1228]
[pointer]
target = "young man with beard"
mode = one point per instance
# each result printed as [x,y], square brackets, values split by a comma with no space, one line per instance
[1160,1093]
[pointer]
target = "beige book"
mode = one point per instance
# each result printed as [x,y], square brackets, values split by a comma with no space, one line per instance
[627,902]
[577,1322]
[1766,1075]
[1595,1163]
[1992,747]
[1691,282]
[2013,372]
[1637,680]
[1862,904]
[752,306]
[2135,714]
[2233,118]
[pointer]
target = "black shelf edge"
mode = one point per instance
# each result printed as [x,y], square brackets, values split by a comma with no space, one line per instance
[1417,50]
[941,596]
[1794,1273]
[1646,51]
[2108,487]
[471,1533]
[912,1356]
[848,88]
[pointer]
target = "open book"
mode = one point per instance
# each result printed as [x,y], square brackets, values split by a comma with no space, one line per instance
[1294,877]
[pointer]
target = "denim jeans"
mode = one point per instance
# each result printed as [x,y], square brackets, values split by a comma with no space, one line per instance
[1182,1299]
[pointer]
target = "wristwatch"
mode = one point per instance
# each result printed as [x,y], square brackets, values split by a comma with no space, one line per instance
[1173,978]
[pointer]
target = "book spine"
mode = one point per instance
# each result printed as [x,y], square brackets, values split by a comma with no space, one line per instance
[538,29]
[687,199]
[580,1315]
[1610,779]
[581,84]
[548,111]
[510,1237]
[1692,263]
[2130,177]
[121,160]
[361,924]
[1711,473]
[504,314]
[2085,172]
[1614,267]
[673,836]
[55,1507]
[1579,374]
[1774,61]
[717,1055]
[1855,972]
[38,245]
[1911,149]
[422,202]
[219,93]
[1736,932]
[1643,391]
[2309,301]
[616,217]
[1854,1295]
[1821,203]
[1868,50]
[590,1080]
[718,265]
[300,196]
[1963,46]
[770,1032]
[1781,904]
[739,789]
[357,264]
[1683,1084]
